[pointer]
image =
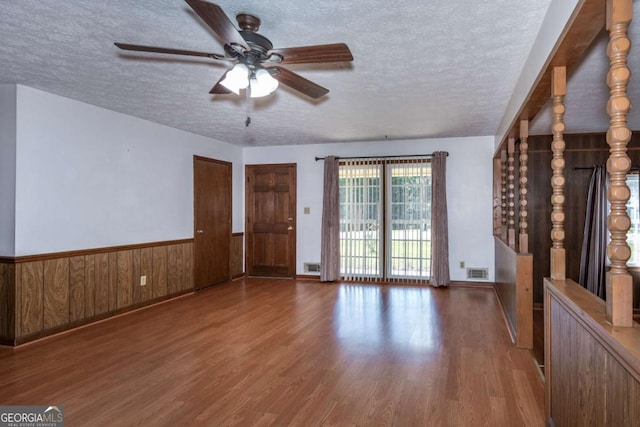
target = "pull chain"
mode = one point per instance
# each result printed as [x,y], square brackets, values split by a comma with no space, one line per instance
[248,102]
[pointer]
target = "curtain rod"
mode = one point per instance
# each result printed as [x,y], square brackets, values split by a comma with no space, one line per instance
[381,157]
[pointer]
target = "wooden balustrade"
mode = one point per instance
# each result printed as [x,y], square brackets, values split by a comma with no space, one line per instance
[592,354]
[513,263]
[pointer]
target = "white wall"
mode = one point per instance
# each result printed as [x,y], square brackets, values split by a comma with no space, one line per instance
[469,192]
[89,177]
[7,169]
[559,15]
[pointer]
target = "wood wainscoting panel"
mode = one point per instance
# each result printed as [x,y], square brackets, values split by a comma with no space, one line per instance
[174,273]
[505,260]
[32,297]
[125,278]
[142,266]
[592,369]
[179,268]
[18,300]
[113,281]
[101,262]
[137,290]
[7,302]
[89,287]
[76,288]
[56,292]
[514,286]
[159,280]
[187,266]
[48,293]
[524,300]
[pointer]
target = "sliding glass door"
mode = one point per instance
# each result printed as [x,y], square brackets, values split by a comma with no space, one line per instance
[385,219]
[361,220]
[408,220]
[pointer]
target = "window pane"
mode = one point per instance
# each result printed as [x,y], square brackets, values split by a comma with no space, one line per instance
[409,231]
[360,195]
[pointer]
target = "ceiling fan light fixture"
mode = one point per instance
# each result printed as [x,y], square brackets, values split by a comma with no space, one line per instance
[263,84]
[237,78]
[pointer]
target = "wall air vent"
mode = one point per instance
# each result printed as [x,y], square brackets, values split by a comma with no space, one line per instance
[312,267]
[478,273]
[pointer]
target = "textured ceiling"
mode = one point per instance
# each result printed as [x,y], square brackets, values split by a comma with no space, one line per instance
[422,69]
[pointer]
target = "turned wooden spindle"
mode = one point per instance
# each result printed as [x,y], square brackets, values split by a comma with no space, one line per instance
[558,91]
[511,193]
[503,194]
[523,239]
[497,202]
[619,283]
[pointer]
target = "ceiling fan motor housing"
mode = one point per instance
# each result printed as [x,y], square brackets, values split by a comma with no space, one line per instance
[252,50]
[259,44]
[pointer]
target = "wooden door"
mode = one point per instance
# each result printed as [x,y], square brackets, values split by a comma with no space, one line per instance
[271,220]
[212,221]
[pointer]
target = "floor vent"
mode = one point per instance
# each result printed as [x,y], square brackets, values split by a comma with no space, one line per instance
[312,267]
[478,273]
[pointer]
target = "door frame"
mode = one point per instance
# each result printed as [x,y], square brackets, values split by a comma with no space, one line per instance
[197,158]
[293,250]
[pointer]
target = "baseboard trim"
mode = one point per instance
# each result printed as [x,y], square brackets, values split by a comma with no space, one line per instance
[484,285]
[504,316]
[313,277]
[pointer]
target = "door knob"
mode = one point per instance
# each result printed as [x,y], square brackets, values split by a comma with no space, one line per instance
[289,228]
[199,231]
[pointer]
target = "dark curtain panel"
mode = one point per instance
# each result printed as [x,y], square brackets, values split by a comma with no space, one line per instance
[439,222]
[594,241]
[330,243]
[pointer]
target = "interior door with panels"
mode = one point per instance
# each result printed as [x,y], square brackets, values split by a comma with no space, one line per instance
[271,220]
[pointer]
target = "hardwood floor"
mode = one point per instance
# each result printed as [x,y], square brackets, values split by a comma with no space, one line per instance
[285,352]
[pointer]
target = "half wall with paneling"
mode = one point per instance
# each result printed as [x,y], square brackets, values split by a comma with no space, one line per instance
[44,294]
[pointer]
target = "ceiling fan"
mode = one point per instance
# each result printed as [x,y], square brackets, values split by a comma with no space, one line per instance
[257,62]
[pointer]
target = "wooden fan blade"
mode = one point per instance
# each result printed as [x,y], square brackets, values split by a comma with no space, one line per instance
[214,17]
[297,82]
[218,89]
[337,52]
[140,48]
